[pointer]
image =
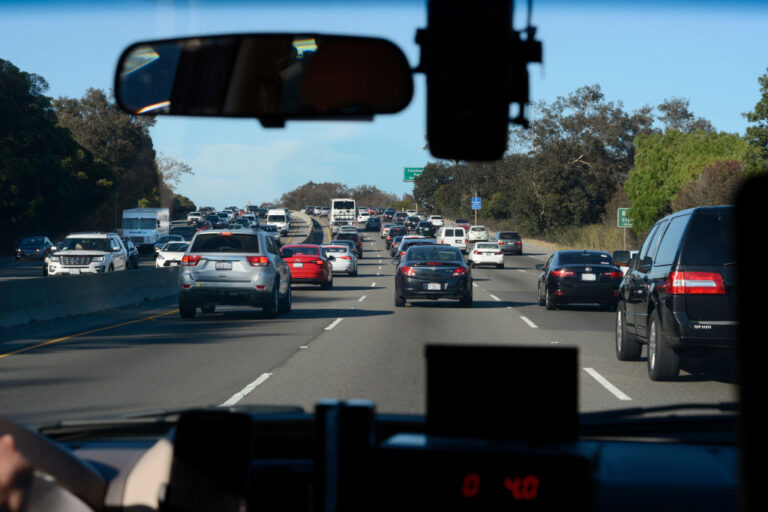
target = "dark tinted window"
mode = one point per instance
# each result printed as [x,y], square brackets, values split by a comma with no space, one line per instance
[411,243]
[647,242]
[343,205]
[670,241]
[287,252]
[216,242]
[509,235]
[434,253]
[32,241]
[709,239]
[347,236]
[448,232]
[581,258]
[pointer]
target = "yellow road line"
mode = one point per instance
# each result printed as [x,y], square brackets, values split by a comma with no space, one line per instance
[65,338]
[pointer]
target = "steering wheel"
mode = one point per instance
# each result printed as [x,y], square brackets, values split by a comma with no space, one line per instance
[76,476]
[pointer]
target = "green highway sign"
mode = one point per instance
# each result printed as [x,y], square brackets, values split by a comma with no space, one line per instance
[622,220]
[409,173]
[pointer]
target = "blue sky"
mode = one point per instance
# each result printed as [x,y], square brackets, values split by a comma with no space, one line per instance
[640,53]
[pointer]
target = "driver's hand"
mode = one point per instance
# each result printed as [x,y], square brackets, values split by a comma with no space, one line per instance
[15,476]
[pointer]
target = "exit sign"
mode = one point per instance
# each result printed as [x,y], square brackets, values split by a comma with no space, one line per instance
[623,221]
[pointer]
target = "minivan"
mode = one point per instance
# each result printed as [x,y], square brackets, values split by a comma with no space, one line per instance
[453,236]
[679,295]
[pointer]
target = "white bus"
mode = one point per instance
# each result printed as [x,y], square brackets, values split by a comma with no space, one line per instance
[343,209]
[143,226]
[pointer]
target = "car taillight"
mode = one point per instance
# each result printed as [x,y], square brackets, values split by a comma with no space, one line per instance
[699,283]
[402,253]
[407,271]
[190,260]
[257,261]
[442,241]
[561,272]
[344,258]
[466,241]
[501,242]
[460,271]
[477,252]
[499,252]
[518,242]
[613,274]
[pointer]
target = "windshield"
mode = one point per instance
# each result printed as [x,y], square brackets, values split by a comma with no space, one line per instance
[580,258]
[175,247]
[84,244]
[637,110]
[32,241]
[139,223]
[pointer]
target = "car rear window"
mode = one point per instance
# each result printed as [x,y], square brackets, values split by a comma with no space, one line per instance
[335,248]
[435,253]
[478,228]
[509,235]
[709,241]
[347,236]
[487,246]
[589,258]
[448,232]
[458,232]
[217,242]
[288,252]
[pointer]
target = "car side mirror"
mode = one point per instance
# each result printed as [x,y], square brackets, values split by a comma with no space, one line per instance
[645,264]
[332,258]
[539,266]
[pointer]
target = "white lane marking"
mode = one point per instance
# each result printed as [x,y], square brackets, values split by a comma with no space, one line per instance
[246,390]
[475,285]
[304,346]
[334,324]
[361,299]
[373,284]
[607,385]
[379,268]
[531,324]
[521,270]
[495,298]
[379,262]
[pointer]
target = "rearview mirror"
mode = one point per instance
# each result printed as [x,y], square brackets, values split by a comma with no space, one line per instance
[272,77]
[621,258]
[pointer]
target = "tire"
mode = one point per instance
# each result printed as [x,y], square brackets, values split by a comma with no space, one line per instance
[111,269]
[270,308]
[208,308]
[542,302]
[187,308]
[548,302]
[466,302]
[399,301]
[501,265]
[627,347]
[663,362]
[472,264]
[284,304]
[353,274]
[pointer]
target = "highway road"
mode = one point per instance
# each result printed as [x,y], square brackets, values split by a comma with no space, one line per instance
[347,342]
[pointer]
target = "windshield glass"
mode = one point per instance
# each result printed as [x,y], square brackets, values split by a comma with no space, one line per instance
[175,247]
[580,258]
[635,113]
[84,244]
[31,241]
[289,252]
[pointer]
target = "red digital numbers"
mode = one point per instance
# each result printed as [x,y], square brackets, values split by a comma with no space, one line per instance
[471,485]
[523,489]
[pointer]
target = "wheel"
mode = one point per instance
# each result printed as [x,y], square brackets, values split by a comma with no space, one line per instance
[548,302]
[270,308]
[208,308]
[542,302]
[187,308]
[325,285]
[472,264]
[500,265]
[663,362]
[466,301]
[399,301]
[285,303]
[627,348]
[353,274]
[111,269]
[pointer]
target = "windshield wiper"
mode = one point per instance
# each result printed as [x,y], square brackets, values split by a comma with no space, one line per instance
[645,411]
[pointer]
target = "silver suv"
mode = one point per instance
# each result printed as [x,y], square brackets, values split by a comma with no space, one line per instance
[239,267]
[88,253]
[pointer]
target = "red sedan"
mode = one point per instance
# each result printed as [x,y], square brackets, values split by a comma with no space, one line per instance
[308,264]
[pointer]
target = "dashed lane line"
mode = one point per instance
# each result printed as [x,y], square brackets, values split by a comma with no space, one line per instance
[606,384]
[246,390]
[334,324]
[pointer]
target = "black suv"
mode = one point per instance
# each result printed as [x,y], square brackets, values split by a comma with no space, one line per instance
[425,228]
[679,294]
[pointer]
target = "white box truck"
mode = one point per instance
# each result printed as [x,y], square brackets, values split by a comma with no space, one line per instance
[143,226]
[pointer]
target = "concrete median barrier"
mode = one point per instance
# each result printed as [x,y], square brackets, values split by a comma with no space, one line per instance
[26,300]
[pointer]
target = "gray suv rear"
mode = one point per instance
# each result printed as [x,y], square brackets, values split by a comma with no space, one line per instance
[234,268]
[509,242]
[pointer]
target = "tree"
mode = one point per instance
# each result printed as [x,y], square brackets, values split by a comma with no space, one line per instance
[757,134]
[717,184]
[676,115]
[665,163]
[119,141]
[48,183]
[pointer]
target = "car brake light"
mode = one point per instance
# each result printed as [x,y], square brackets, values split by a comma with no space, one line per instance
[345,258]
[226,233]
[518,242]
[561,272]
[407,271]
[402,253]
[499,252]
[700,283]
[613,273]
[190,260]
[477,252]
[257,261]
[501,242]
[466,241]
[460,271]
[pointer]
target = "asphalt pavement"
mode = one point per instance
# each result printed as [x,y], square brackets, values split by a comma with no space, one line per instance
[346,342]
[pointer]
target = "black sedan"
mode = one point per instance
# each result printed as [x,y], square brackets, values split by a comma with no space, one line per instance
[433,272]
[373,224]
[426,228]
[33,247]
[394,232]
[579,277]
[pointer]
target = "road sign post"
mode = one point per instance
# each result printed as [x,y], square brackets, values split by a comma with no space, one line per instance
[623,221]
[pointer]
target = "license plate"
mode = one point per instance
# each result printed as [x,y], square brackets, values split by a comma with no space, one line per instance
[74,271]
[175,263]
[298,265]
[434,286]
[588,277]
[223,265]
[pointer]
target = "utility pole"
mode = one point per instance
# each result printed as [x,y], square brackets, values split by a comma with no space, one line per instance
[475,210]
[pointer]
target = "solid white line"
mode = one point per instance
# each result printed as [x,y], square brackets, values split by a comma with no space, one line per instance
[246,390]
[531,324]
[607,385]
[520,270]
[495,298]
[334,324]
[361,299]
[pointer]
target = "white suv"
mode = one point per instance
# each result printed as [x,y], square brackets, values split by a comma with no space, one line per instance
[477,234]
[89,253]
[436,221]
